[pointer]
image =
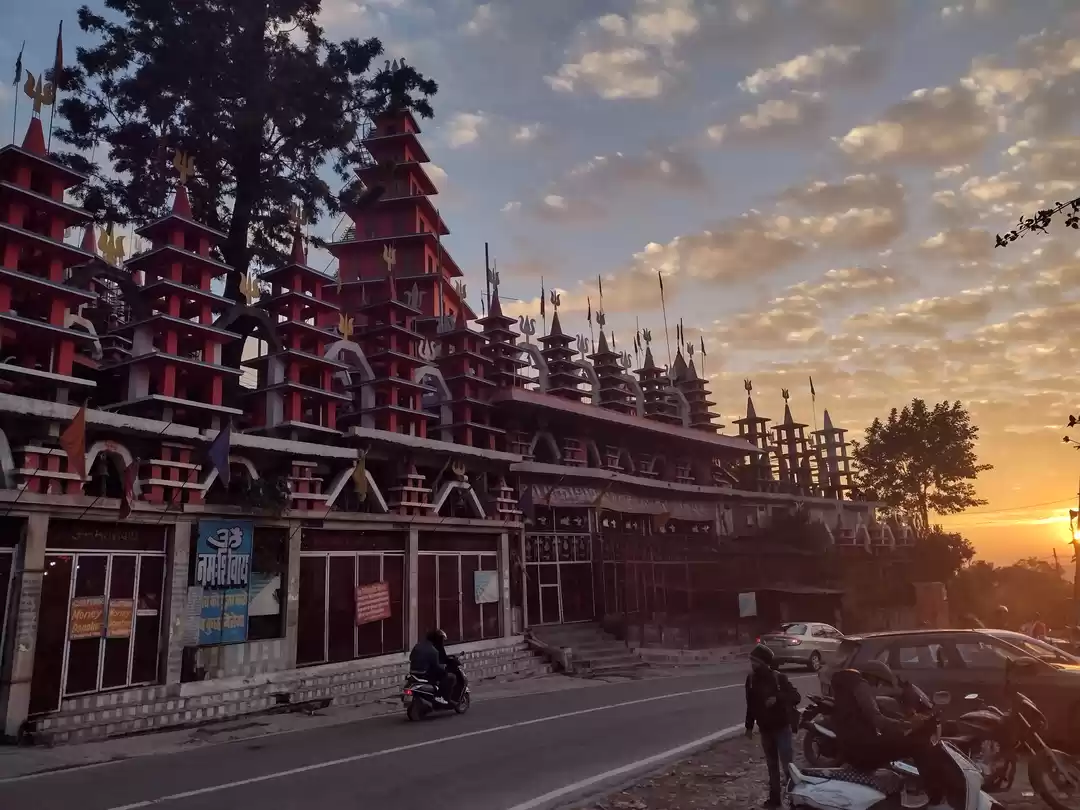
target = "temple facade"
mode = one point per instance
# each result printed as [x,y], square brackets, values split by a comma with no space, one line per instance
[176,546]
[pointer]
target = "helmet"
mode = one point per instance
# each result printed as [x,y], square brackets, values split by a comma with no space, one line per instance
[879,671]
[436,636]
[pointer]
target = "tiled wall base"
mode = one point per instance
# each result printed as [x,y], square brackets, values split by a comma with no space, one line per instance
[132,711]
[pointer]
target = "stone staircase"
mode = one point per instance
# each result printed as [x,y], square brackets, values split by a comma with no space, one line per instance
[593,652]
[134,711]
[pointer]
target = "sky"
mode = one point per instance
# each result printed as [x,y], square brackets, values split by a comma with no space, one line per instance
[818,181]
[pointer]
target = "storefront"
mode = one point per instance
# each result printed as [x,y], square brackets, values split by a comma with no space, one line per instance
[458,587]
[337,569]
[559,573]
[99,621]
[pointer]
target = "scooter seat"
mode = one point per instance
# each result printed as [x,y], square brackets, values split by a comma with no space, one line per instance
[881,780]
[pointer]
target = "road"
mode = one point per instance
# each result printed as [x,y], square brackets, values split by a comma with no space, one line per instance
[505,754]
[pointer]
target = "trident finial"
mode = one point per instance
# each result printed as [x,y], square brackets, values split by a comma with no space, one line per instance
[646,335]
[345,326]
[527,327]
[625,360]
[427,350]
[41,92]
[690,350]
[249,287]
[749,386]
[583,345]
[555,299]
[785,394]
[112,247]
[461,289]
[184,165]
[389,257]
[493,278]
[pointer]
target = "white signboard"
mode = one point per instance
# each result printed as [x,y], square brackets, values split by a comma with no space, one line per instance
[485,587]
[747,605]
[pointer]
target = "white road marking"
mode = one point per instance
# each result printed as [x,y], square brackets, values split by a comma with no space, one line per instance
[629,768]
[188,794]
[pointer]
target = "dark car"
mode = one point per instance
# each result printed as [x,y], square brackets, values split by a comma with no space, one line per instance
[961,662]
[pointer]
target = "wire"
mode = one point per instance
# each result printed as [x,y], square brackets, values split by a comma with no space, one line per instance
[1070,499]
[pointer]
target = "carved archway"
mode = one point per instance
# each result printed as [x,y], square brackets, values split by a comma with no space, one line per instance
[682,404]
[468,496]
[84,274]
[118,455]
[592,378]
[544,438]
[241,461]
[246,321]
[77,319]
[349,353]
[539,363]
[7,462]
[433,376]
[639,396]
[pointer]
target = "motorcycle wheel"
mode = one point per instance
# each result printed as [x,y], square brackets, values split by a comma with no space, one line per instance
[415,711]
[1059,789]
[463,704]
[815,757]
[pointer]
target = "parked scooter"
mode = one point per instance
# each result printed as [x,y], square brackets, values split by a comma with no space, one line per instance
[995,740]
[819,739]
[420,696]
[898,786]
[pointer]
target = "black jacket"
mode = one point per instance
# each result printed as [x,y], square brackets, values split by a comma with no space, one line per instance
[425,659]
[761,685]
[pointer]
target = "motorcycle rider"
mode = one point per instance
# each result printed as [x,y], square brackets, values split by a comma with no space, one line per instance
[428,660]
[869,739]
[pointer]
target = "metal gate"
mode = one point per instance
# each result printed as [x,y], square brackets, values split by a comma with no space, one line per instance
[558,567]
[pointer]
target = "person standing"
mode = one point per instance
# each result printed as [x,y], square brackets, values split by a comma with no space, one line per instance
[771,702]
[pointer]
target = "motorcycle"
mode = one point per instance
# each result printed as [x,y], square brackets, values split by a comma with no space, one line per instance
[995,740]
[819,739]
[420,696]
[894,787]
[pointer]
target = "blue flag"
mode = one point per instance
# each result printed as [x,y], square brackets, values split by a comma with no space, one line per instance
[218,454]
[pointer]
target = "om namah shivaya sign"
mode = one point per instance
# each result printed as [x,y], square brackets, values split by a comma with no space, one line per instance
[223,571]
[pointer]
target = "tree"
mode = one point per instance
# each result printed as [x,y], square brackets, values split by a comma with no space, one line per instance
[1040,222]
[1028,587]
[251,90]
[921,460]
[939,556]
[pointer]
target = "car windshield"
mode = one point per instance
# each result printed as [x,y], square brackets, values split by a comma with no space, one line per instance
[1038,649]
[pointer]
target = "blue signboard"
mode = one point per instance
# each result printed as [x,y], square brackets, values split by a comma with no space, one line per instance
[223,570]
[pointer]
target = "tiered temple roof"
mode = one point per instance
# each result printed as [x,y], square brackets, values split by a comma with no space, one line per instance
[613,393]
[564,376]
[697,395]
[467,371]
[654,385]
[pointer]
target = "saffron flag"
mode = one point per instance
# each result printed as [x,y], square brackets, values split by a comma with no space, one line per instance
[218,454]
[703,346]
[543,311]
[600,285]
[131,472]
[660,276]
[18,65]
[73,440]
[58,65]
[589,316]
[359,477]
[813,393]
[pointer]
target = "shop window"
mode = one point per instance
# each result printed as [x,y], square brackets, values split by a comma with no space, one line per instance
[269,573]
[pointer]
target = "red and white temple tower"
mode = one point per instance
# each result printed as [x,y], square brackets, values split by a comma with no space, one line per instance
[467,372]
[296,396]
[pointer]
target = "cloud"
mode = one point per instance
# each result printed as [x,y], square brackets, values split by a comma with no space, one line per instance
[511,206]
[772,120]
[959,244]
[834,62]
[785,322]
[527,133]
[846,285]
[860,212]
[591,186]
[854,191]
[931,128]
[482,20]
[629,56]
[930,317]
[464,128]
[556,208]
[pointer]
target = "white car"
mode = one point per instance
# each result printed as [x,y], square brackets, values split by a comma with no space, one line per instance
[803,643]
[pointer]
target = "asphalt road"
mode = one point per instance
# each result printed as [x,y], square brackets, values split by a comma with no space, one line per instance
[503,755]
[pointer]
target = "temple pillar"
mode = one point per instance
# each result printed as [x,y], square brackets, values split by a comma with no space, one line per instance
[292,589]
[177,589]
[505,617]
[18,658]
[412,570]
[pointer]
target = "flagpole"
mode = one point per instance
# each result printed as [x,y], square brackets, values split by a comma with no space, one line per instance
[663,308]
[58,68]
[15,116]
[592,334]
[813,403]
[543,308]
[15,84]
[637,341]
[703,356]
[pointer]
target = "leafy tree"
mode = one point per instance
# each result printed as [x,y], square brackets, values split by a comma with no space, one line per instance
[921,460]
[1040,222]
[939,556]
[252,90]
[1028,587]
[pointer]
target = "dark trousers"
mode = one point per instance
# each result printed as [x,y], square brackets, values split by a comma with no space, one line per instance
[448,685]
[777,748]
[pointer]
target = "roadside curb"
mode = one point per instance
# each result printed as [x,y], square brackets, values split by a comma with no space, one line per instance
[589,790]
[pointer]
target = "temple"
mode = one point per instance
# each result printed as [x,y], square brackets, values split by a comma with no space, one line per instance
[179,544]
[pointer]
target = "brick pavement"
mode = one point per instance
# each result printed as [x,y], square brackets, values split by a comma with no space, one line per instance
[731,775]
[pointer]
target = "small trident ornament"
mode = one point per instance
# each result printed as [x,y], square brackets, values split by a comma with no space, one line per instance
[249,287]
[583,345]
[389,257]
[527,327]
[461,289]
[345,326]
[690,350]
[112,247]
[601,319]
[749,386]
[646,335]
[555,298]
[184,165]
[785,394]
[493,278]
[625,360]
[427,351]
[458,469]
[41,92]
